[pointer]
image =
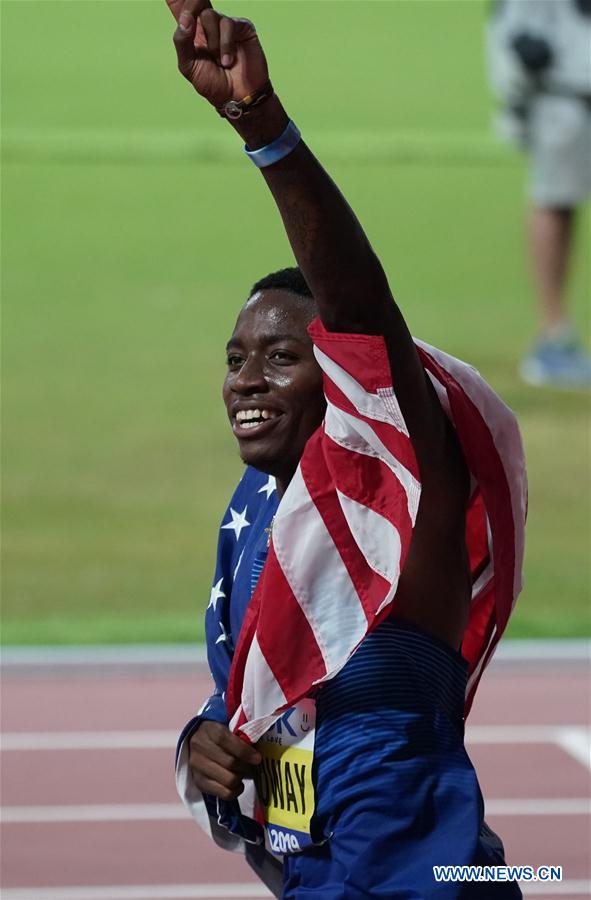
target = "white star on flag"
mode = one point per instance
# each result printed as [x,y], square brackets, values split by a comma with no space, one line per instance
[269,487]
[216,594]
[238,522]
[223,636]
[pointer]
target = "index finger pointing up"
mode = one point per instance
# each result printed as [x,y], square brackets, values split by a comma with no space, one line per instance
[195,7]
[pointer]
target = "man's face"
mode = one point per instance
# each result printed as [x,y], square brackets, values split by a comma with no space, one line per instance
[273,389]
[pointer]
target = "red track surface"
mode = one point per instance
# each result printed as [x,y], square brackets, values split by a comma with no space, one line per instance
[172,852]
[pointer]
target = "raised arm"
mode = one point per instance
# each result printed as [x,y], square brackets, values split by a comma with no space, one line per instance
[224,61]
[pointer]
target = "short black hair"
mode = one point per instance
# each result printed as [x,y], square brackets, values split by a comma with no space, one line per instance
[290,279]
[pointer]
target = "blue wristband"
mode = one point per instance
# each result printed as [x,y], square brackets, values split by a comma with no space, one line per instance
[277,149]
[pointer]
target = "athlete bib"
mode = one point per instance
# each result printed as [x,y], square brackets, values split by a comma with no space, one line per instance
[284,779]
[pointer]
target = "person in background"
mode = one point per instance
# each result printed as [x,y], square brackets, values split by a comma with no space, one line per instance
[539,54]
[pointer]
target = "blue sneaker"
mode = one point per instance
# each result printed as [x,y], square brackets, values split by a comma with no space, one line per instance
[557,362]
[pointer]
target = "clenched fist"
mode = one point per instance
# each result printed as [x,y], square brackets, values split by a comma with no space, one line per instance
[221,56]
[220,761]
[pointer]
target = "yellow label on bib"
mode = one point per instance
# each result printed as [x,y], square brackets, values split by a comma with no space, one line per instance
[284,778]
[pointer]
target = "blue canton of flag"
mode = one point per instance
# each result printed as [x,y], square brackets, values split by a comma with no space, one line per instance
[241,553]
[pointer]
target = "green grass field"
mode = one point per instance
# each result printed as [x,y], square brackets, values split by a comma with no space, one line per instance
[131,230]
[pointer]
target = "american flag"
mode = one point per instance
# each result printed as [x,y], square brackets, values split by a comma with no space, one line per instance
[343,528]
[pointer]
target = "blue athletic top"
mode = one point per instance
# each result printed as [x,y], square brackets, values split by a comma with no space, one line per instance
[396,793]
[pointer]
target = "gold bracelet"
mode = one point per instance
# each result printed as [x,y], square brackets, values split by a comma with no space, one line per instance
[235,109]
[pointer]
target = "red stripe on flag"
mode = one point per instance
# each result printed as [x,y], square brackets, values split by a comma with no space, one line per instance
[242,720]
[365,479]
[285,636]
[247,631]
[360,348]
[477,535]
[481,622]
[370,587]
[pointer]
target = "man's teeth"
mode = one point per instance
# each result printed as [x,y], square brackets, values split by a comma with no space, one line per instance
[249,418]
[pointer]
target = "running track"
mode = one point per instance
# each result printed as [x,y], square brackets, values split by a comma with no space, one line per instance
[89,808]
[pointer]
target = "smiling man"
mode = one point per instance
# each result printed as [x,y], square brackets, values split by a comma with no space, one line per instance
[369,558]
[273,389]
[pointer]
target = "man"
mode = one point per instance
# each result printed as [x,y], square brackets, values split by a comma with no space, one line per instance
[356,557]
[540,66]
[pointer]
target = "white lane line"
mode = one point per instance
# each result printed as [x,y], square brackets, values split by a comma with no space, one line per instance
[574,739]
[552,806]
[72,656]
[89,740]
[140,892]
[576,742]
[97,812]
[159,812]
[20,659]
[232,891]
[571,888]
[522,734]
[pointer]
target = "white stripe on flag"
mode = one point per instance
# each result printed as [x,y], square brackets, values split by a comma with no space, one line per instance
[317,575]
[370,405]
[376,537]
[261,691]
[357,436]
[483,581]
